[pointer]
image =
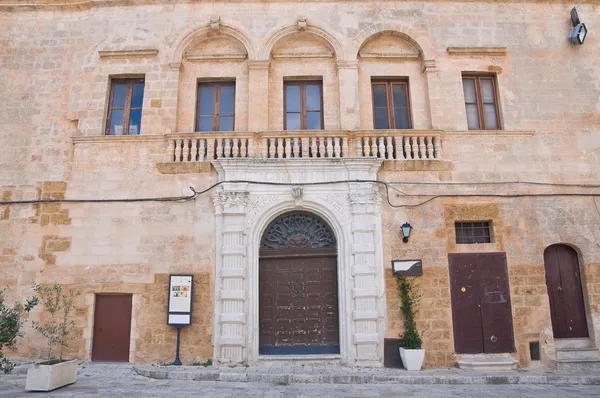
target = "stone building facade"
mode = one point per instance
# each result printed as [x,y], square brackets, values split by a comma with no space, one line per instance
[512,171]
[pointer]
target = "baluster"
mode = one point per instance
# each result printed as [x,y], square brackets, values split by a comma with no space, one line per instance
[430,147]
[171,150]
[398,148]
[437,145]
[295,149]
[359,146]
[264,148]
[374,146]
[219,148]
[414,147]
[344,147]
[247,148]
[313,147]
[329,147]
[337,149]
[322,147]
[271,148]
[176,151]
[288,147]
[422,148]
[382,148]
[407,149]
[227,148]
[389,146]
[201,149]
[279,148]
[210,149]
[192,145]
[304,144]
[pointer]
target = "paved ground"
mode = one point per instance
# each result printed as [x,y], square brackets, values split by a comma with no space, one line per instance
[111,380]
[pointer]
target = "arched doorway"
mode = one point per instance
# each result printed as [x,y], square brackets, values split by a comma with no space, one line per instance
[298,287]
[565,292]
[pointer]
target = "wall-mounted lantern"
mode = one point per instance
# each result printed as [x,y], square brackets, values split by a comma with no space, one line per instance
[579,32]
[406,229]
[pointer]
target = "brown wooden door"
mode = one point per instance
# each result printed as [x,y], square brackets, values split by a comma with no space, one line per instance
[481,309]
[298,300]
[112,325]
[565,293]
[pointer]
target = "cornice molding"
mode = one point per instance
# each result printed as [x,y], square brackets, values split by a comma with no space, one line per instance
[215,57]
[383,56]
[146,52]
[481,51]
[112,139]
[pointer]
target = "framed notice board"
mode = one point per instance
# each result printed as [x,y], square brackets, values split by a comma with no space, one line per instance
[181,289]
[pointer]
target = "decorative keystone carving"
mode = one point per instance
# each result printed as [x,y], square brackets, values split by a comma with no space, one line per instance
[231,201]
[297,192]
[215,23]
[301,23]
[365,198]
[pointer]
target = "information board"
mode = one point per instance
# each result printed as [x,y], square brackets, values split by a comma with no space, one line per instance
[180,300]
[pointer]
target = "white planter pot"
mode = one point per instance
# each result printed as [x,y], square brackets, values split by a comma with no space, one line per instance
[50,377]
[412,359]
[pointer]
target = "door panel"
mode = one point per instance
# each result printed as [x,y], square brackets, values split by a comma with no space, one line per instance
[112,326]
[466,318]
[298,303]
[481,308]
[565,292]
[496,312]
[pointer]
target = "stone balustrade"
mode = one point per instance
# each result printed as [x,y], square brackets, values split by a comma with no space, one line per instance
[383,144]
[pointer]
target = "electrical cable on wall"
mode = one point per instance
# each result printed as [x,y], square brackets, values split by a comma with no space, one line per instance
[387,185]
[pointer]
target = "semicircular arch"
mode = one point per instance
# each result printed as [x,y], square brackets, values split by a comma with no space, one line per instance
[284,31]
[225,30]
[298,229]
[418,40]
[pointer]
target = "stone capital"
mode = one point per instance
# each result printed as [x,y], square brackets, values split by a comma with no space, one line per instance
[231,201]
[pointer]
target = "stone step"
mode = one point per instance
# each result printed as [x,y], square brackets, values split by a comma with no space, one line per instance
[582,364]
[487,364]
[577,353]
[584,342]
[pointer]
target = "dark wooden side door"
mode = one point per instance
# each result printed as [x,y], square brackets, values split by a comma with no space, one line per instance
[112,325]
[481,308]
[565,292]
[298,300]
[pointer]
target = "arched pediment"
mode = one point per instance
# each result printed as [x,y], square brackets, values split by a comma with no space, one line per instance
[302,45]
[311,30]
[387,45]
[215,46]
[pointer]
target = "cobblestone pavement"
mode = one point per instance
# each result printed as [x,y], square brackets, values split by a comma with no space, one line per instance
[112,380]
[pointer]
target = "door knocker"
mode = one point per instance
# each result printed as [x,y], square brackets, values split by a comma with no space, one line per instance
[295,288]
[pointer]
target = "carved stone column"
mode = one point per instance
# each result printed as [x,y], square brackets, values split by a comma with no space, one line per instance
[231,276]
[368,290]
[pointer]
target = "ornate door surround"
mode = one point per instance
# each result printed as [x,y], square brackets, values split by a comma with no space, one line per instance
[352,210]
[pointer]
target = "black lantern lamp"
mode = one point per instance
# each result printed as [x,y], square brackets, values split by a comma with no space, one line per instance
[406,229]
[579,32]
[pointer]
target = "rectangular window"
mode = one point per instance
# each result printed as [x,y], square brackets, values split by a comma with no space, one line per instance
[481,102]
[473,232]
[303,105]
[216,106]
[391,104]
[125,107]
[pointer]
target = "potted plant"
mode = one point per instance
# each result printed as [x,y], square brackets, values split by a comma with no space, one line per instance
[11,321]
[411,352]
[55,372]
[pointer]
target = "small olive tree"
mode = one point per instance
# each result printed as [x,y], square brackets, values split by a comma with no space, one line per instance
[58,327]
[11,322]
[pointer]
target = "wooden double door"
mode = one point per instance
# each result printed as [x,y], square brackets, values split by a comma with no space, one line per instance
[563,281]
[481,308]
[298,299]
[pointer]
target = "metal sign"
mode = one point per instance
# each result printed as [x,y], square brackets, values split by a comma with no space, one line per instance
[407,267]
[180,300]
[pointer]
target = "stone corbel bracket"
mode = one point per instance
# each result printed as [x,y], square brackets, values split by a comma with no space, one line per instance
[478,51]
[146,52]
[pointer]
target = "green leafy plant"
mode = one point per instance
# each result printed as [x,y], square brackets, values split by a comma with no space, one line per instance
[11,322]
[58,327]
[411,339]
[208,362]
